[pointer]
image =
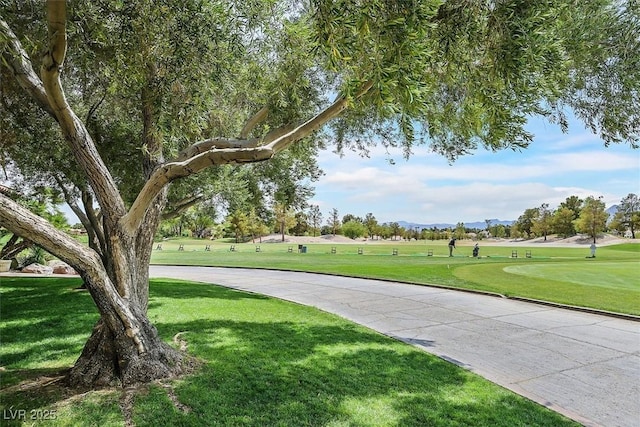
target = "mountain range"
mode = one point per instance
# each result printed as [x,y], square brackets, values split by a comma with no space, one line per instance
[477,224]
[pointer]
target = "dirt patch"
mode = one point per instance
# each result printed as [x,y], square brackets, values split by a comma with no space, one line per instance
[277,238]
[555,241]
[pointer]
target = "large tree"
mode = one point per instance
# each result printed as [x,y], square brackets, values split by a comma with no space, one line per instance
[525,221]
[334,221]
[353,229]
[132,97]
[563,219]
[593,218]
[371,223]
[628,214]
[315,218]
[566,214]
[543,222]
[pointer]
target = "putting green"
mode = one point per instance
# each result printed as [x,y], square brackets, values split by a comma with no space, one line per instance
[612,275]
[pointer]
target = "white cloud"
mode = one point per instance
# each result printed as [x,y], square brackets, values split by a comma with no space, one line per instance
[500,185]
[466,203]
[562,142]
[430,169]
[593,161]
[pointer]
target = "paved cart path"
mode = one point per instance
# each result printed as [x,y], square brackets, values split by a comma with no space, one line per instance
[585,366]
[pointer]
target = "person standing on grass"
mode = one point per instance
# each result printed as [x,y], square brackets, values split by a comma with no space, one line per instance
[593,250]
[452,245]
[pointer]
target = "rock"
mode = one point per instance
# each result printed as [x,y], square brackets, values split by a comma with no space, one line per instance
[64,269]
[60,267]
[37,269]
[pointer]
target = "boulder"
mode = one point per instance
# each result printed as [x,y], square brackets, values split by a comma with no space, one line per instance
[63,269]
[60,267]
[37,269]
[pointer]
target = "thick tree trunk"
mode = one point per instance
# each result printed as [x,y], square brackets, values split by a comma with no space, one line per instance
[113,358]
[124,347]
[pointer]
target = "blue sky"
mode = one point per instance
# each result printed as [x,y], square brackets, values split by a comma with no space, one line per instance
[427,189]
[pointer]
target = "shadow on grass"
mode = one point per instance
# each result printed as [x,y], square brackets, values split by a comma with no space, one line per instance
[42,320]
[46,318]
[177,289]
[267,363]
[282,373]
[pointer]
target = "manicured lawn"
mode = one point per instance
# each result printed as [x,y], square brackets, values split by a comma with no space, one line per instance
[583,285]
[609,282]
[265,362]
[608,275]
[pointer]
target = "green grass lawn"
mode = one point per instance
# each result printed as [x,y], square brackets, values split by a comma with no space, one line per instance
[607,275]
[609,282]
[266,363]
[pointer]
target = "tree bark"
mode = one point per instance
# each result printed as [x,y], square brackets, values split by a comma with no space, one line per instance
[112,357]
[13,247]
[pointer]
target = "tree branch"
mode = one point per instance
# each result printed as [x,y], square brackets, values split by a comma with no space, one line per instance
[281,142]
[95,107]
[174,170]
[14,246]
[94,233]
[73,129]
[254,121]
[202,158]
[26,224]
[17,60]
[182,206]
[94,218]
[216,143]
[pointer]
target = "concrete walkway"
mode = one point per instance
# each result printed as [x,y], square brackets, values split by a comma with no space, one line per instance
[585,366]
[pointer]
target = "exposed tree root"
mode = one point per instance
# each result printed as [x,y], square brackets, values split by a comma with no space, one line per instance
[126,405]
[107,360]
[174,399]
[182,344]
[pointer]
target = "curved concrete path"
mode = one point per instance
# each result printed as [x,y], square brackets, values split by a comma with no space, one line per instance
[585,366]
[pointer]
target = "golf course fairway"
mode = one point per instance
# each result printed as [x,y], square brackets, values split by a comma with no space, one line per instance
[612,275]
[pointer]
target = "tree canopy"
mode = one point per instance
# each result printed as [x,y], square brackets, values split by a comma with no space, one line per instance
[115,101]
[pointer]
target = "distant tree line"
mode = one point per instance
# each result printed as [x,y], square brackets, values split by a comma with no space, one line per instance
[574,215]
[571,217]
